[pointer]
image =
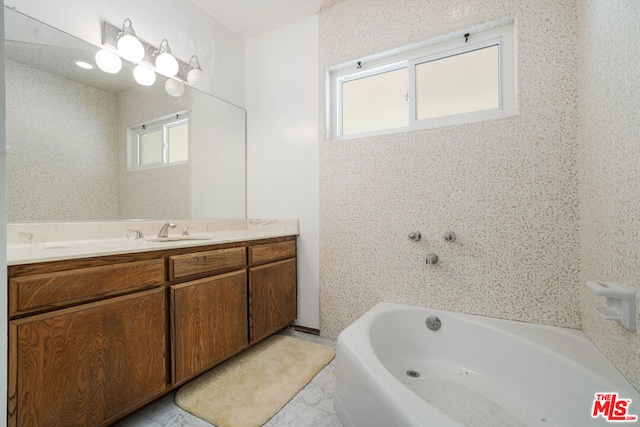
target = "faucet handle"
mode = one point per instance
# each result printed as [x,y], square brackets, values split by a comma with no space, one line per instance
[138,232]
[185,231]
[415,236]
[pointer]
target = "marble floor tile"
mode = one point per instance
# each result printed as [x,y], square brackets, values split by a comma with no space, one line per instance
[311,407]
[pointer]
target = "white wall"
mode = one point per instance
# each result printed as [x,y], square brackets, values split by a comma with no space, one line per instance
[282,143]
[189,30]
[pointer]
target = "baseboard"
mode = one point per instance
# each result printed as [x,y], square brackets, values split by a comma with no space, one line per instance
[306,330]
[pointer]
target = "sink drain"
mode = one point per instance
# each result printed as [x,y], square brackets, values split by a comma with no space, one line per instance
[413,374]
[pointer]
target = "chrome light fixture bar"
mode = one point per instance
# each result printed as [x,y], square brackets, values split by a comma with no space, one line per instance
[111,33]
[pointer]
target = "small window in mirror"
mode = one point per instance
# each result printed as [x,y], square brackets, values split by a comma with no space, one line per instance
[150,147]
[160,142]
[177,142]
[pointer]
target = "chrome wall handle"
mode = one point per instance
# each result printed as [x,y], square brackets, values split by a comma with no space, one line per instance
[449,236]
[415,236]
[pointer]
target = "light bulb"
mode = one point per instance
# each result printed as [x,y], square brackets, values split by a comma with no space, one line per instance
[143,75]
[165,61]
[174,87]
[108,62]
[195,76]
[167,64]
[131,48]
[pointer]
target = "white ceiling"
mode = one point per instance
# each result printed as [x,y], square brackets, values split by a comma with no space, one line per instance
[249,18]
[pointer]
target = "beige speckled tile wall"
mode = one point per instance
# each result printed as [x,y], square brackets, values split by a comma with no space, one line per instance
[58,169]
[508,188]
[609,111]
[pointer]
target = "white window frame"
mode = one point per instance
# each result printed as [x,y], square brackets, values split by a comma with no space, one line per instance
[162,123]
[500,33]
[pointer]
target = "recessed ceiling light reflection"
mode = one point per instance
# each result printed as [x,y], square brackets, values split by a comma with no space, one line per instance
[83,64]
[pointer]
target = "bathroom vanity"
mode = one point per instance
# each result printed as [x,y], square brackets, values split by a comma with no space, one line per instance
[93,338]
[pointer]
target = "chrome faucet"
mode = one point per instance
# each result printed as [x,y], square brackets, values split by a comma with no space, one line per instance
[164,230]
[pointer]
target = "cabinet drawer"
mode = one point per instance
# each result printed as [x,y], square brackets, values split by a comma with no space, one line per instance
[53,290]
[272,251]
[206,262]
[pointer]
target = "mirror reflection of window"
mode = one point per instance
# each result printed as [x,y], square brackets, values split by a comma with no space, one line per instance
[150,148]
[162,142]
[178,142]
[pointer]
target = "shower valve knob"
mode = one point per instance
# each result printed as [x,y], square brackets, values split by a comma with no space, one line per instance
[432,259]
[415,236]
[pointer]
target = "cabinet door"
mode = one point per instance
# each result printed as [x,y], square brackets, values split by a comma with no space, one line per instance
[209,319]
[83,366]
[272,295]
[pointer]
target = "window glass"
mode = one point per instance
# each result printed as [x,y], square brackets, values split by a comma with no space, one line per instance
[375,102]
[458,84]
[178,137]
[455,80]
[150,147]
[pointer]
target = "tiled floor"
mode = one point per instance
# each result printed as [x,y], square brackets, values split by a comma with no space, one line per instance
[311,407]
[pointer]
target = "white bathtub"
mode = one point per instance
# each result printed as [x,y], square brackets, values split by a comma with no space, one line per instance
[475,371]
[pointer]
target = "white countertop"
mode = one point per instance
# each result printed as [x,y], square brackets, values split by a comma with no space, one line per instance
[36,249]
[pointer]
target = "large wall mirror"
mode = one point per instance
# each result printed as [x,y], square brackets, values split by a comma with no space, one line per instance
[74,151]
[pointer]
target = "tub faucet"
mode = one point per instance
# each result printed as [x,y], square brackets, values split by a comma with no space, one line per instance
[164,230]
[432,259]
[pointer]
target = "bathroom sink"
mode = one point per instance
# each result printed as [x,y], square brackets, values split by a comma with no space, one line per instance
[177,238]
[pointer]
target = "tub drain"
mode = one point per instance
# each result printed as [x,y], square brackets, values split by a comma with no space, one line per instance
[413,374]
[433,323]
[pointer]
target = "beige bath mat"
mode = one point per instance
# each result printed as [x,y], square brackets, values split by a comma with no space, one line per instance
[250,388]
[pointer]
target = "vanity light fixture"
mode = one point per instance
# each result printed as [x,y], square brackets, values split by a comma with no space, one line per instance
[128,44]
[145,76]
[165,62]
[124,42]
[108,61]
[195,74]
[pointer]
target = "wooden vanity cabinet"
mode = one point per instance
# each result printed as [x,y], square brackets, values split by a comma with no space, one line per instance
[86,365]
[91,340]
